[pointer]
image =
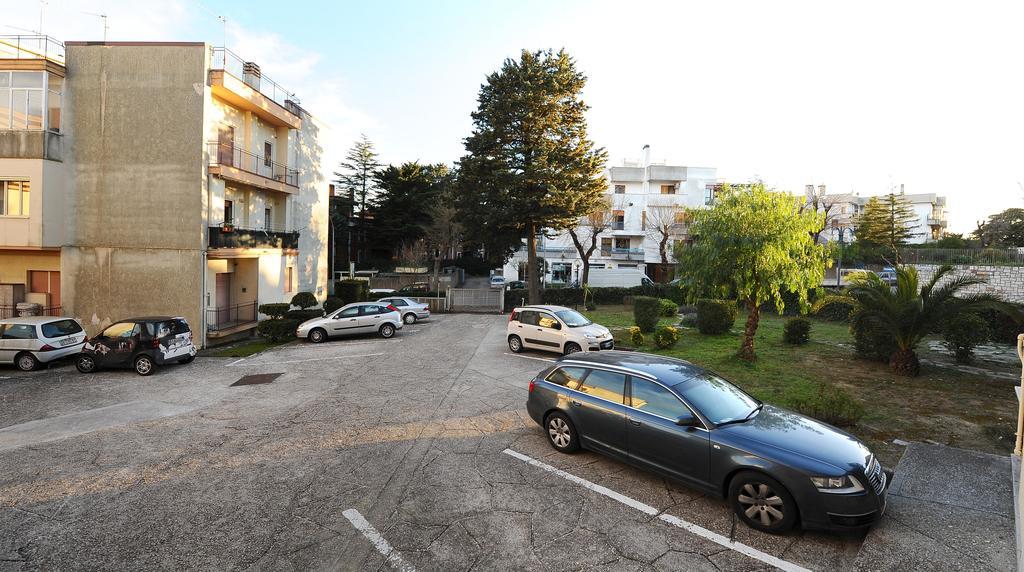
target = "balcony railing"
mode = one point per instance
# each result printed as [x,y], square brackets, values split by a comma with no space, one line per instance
[937,221]
[618,225]
[231,236]
[624,253]
[12,311]
[32,48]
[230,316]
[250,74]
[229,155]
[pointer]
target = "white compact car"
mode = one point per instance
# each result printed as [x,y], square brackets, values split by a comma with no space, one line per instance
[556,329]
[28,342]
[497,282]
[356,318]
[410,309]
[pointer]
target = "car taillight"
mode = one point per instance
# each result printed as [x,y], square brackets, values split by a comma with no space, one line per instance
[531,386]
[392,308]
[156,343]
[512,316]
[47,348]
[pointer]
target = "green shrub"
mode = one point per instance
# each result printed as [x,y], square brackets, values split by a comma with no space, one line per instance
[277,330]
[636,337]
[602,295]
[275,310]
[304,300]
[352,291]
[870,341]
[669,309]
[833,308]
[790,302]
[832,405]
[797,331]
[715,316]
[303,315]
[666,337]
[332,303]
[646,311]
[1003,328]
[591,306]
[963,332]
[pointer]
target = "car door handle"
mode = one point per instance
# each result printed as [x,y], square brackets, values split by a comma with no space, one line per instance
[574,402]
[635,422]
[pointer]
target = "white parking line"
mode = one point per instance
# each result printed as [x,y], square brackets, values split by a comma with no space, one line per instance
[673,520]
[310,359]
[530,357]
[378,541]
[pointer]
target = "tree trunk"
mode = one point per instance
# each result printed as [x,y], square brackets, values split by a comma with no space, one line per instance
[747,346]
[533,280]
[905,363]
[661,248]
[585,276]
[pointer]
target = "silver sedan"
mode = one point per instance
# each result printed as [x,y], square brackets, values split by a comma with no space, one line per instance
[410,309]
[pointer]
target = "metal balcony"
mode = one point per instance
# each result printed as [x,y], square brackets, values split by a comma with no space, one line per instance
[231,236]
[232,162]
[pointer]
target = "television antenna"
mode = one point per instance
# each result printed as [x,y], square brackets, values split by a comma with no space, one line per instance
[106,26]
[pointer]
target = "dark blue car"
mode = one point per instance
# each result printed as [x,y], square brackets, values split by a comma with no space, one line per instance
[777,468]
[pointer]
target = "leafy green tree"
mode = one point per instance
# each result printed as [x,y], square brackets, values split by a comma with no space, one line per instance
[403,202]
[529,166]
[952,240]
[912,311]
[1005,229]
[886,224]
[356,177]
[757,244]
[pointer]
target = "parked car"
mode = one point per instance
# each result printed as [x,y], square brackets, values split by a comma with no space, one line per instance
[410,309]
[618,277]
[668,416]
[30,341]
[556,329]
[516,284]
[356,318]
[414,288]
[381,291]
[139,343]
[497,281]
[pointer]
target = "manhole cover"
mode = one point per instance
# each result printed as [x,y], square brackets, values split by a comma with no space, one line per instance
[256,379]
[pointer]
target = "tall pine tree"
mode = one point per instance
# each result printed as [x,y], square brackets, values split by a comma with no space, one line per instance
[529,165]
[356,179]
[887,224]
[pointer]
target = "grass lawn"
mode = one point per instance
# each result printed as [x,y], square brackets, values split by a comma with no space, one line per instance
[244,349]
[944,405]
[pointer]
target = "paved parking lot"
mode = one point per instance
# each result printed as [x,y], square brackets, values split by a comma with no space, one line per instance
[414,453]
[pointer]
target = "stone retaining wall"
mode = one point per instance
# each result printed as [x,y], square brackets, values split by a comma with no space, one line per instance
[1006,281]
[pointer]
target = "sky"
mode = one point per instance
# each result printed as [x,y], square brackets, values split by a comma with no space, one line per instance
[861,97]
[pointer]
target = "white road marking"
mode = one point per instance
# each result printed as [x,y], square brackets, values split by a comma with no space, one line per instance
[311,359]
[530,357]
[378,541]
[673,520]
[234,362]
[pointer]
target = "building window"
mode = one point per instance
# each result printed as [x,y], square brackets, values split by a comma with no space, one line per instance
[618,220]
[627,266]
[620,189]
[14,198]
[622,243]
[267,217]
[709,194]
[268,153]
[229,215]
[289,277]
[30,100]
[668,189]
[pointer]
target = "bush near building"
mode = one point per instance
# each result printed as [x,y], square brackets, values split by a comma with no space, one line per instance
[277,329]
[332,303]
[350,291]
[666,337]
[303,315]
[304,300]
[669,308]
[963,333]
[715,316]
[646,311]
[871,341]
[275,310]
[601,296]
[833,308]
[797,331]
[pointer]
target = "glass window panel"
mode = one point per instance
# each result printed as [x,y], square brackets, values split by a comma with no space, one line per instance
[35,109]
[55,83]
[3,197]
[5,107]
[604,384]
[52,111]
[24,199]
[19,105]
[653,398]
[5,79]
[27,79]
[13,199]
[567,376]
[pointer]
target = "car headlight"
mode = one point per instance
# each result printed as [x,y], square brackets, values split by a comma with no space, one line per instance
[591,336]
[839,485]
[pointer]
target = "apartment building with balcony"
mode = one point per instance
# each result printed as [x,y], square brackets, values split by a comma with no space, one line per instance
[930,210]
[189,183]
[643,196]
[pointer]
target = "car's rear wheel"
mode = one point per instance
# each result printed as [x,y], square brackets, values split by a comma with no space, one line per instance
[387,330]
[572,347]
[318,335]
[26,361]
[410,318]
[561,433]
[144,365]
[762,502]
[85,364]
[515,344]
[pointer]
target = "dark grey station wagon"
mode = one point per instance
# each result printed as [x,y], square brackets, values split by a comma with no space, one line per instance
[776,468]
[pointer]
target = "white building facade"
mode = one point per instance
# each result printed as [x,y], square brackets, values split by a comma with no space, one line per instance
[929,208]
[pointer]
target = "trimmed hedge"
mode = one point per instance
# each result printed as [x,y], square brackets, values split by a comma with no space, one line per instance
[872,342]
[797,331]
[602,296]
[833,309]
[303,315]
[277,330]
[277,310]
[349,291]
[669,309]
[304,300]
[332,303]
[715,316]
[646,311]
[666,337]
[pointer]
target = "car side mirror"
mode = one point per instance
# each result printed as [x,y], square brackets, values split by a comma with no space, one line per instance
[557,326]
[688,420]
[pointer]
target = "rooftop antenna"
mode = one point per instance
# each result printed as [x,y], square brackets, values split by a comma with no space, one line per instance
[42,8]
[224,27]
[105,26]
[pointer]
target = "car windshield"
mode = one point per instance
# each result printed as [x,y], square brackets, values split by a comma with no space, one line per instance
[573,319]
[717,399]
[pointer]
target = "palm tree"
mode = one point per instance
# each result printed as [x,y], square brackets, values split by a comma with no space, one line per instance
[909,312]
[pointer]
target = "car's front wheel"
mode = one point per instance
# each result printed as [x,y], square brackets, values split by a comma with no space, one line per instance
[762,502]
[26,362]
[561,433]
[572,347]
[144,365]
[318,335]
[387,331]
[515,344]
[410,318]
[85,363]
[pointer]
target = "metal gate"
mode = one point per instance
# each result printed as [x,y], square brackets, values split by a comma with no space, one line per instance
[476,299]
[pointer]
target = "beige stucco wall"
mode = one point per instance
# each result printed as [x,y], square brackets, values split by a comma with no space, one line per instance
[136,117]
[49,185]
[15,264]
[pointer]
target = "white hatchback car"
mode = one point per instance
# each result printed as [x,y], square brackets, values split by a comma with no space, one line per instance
[555,329]
[30,341]
[356,318]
